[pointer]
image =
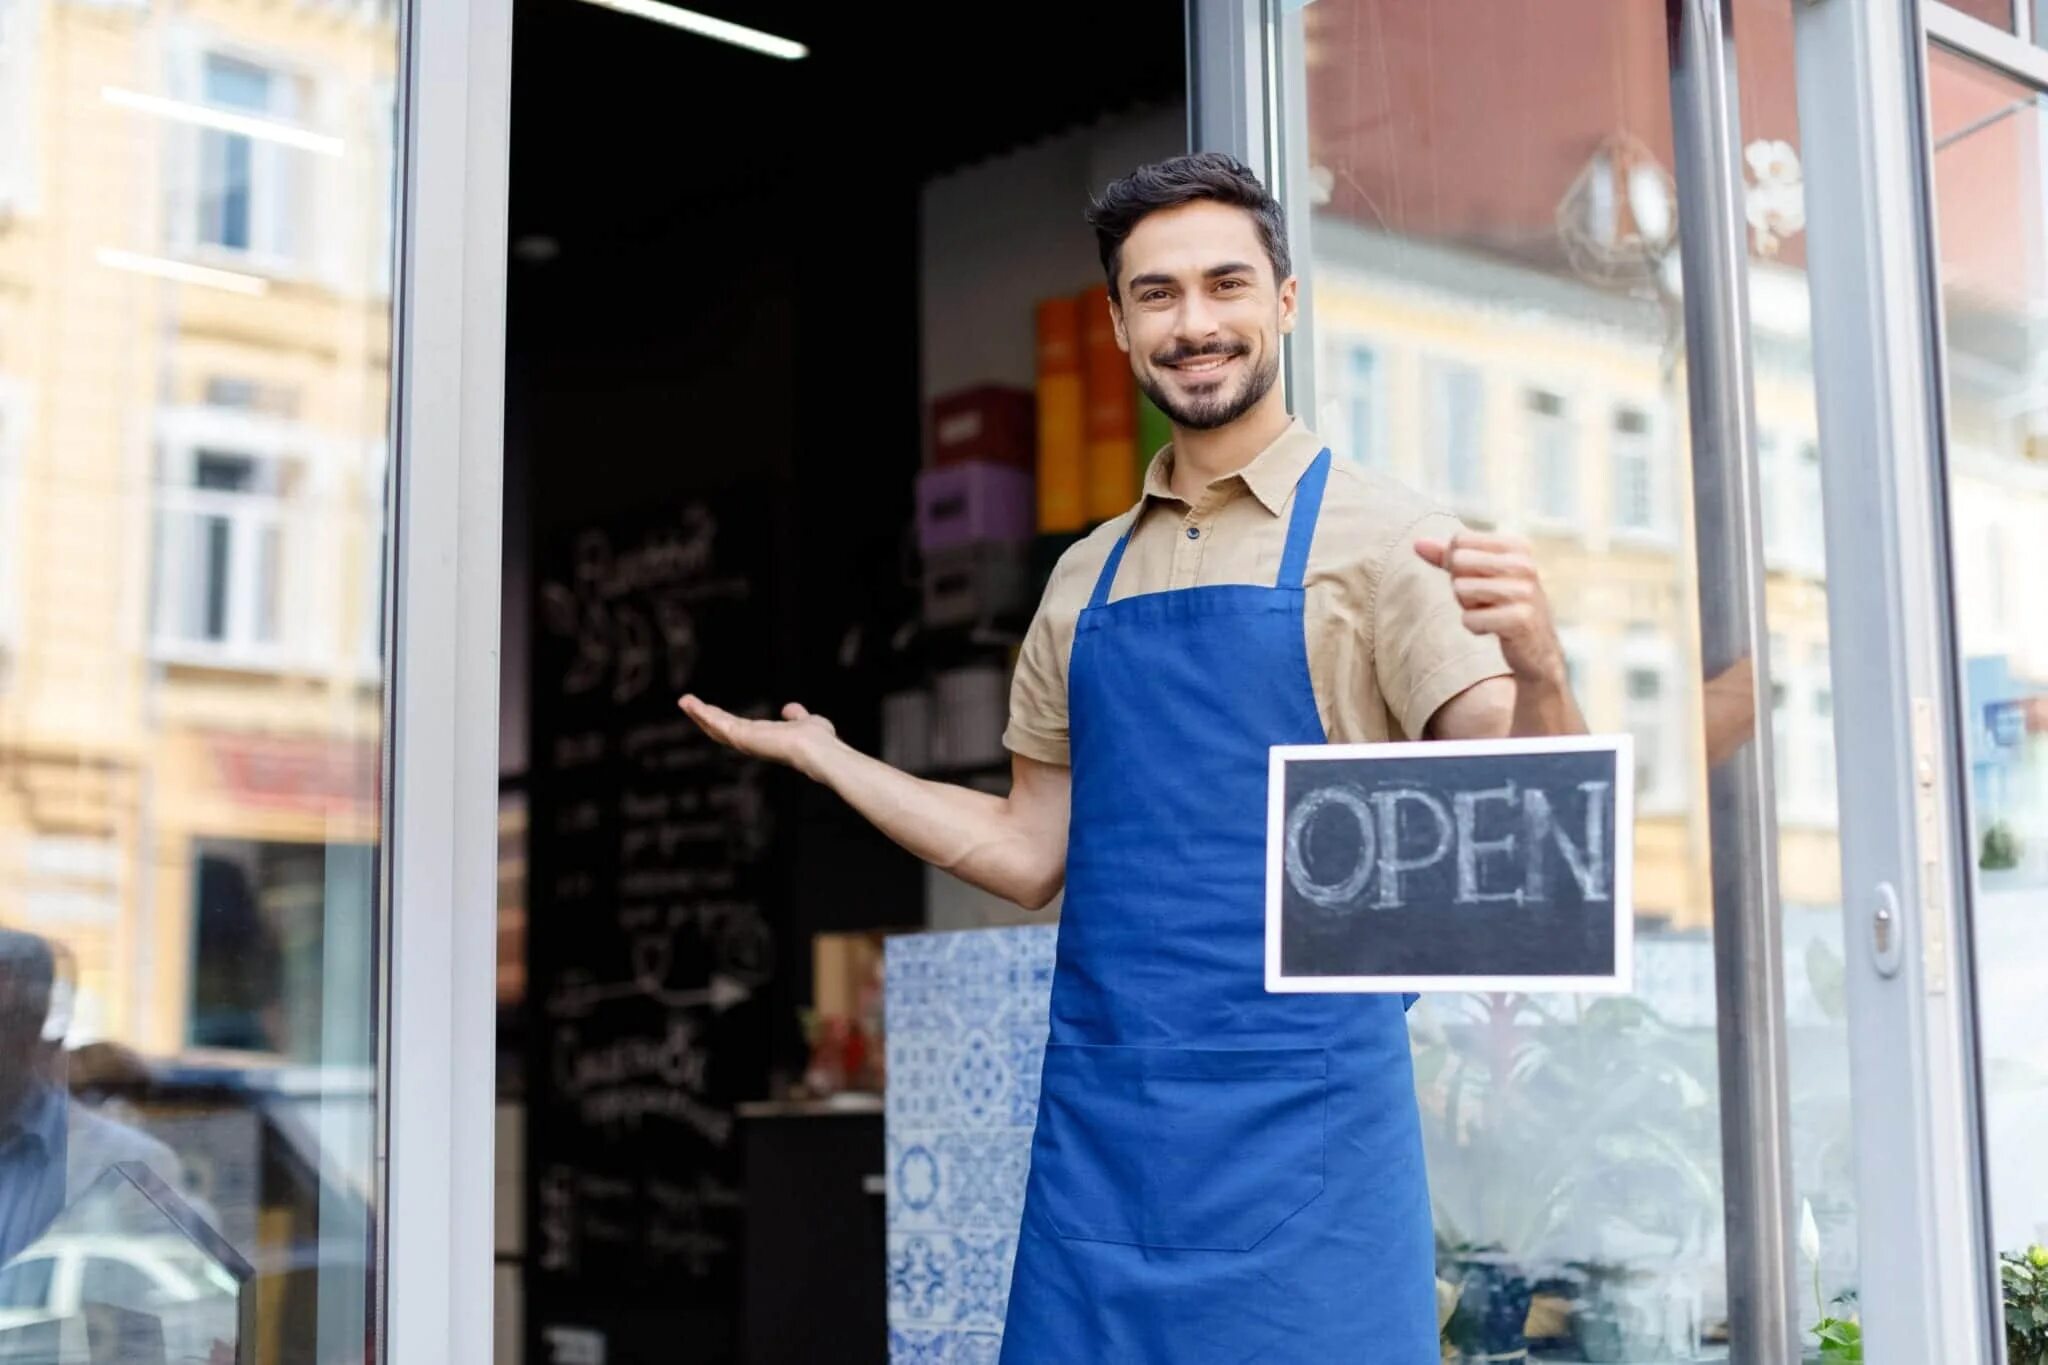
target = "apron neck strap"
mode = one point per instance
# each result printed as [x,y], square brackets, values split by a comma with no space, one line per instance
[1100,597]
[1301,532]
[1301,526]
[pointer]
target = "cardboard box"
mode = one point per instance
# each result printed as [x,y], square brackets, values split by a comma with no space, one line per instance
[962,504]
[992,423]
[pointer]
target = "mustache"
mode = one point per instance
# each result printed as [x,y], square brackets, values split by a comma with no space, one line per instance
[1175,355]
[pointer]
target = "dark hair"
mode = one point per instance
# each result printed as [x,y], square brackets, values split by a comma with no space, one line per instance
[1214,176]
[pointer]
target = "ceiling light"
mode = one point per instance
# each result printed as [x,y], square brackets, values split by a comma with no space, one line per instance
[704,26]
[184,272]
[225,120]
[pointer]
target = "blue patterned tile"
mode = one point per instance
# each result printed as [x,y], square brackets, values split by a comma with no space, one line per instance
[967,1016]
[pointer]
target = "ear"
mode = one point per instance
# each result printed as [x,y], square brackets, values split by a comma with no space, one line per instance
[1116,318]
[1290,302]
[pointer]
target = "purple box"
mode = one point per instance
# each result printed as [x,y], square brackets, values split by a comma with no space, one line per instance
[974,502]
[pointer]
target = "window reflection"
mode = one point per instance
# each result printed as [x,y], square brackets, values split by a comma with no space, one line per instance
[1992,220]
[1509,217]
[195,224]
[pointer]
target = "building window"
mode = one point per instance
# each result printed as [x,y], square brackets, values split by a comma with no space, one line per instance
[1649,713]
[245,183]
[221,537]
[1770,459]
[1821,716]
[272,971]
[1812,550]
[1360,400]
[10,541]
[1782,721]
[1457,426]
[1635,472]
[1550,455]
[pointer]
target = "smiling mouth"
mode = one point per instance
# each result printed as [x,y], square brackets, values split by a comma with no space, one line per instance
[1201,366]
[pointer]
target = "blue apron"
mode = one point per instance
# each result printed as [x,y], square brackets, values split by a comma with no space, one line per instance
[1218,1174]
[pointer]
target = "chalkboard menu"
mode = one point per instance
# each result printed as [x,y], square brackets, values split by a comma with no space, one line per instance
[1492,866]
[651,939]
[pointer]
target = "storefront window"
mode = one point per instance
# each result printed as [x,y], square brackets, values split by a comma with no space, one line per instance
[1989,133]
[1502,226]
[195,348]
[1514,213]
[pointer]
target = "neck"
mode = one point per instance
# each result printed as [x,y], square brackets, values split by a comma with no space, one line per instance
[1202,457]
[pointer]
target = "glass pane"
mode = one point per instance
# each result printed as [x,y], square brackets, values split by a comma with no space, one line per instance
[195,333]
[1992,221]
[1999,12]
[1515,232]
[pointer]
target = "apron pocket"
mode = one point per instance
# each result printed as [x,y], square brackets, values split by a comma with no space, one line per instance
[1180,1148]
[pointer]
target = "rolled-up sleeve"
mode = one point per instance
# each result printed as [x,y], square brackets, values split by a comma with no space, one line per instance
[1038,686]
[1422,653]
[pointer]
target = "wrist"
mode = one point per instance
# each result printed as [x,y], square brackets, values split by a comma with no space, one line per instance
[1546,672]
[811,755]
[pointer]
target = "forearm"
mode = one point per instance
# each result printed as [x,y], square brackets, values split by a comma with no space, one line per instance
[1545,706]
[986,840]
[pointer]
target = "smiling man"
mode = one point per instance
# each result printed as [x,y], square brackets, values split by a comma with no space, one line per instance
[1217,1174]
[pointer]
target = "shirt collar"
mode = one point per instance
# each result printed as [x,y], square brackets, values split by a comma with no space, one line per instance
[40,1116]
[1271,474]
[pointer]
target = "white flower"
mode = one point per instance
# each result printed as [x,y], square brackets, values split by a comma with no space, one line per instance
[1771,160]
[1809,1232]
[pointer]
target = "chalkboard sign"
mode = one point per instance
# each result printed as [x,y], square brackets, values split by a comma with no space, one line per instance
[651,939]
[1499,865]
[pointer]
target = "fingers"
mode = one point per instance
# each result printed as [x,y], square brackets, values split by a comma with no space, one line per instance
[714,721]
[1476,553]
[1491,592]
[1505,621]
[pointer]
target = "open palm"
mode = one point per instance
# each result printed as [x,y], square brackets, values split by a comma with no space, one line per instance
[790,741]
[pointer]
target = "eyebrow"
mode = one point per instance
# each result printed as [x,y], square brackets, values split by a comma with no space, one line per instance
[1214,272]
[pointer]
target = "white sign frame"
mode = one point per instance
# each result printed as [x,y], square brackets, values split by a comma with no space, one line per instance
[1620,982]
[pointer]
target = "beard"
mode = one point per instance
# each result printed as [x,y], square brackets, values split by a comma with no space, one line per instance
[1216,408]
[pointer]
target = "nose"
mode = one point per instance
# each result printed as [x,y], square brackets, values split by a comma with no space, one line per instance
[1197,321]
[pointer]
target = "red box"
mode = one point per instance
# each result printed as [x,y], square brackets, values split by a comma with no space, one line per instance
[992,424]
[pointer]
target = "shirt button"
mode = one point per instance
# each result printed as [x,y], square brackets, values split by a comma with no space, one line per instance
[1194,532]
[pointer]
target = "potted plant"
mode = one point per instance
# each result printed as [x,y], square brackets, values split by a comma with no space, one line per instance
[1609,1320]
[2023,1275]
[1547,1126]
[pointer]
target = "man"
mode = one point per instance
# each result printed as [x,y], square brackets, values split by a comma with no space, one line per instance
[1217,1174]
[51,1150]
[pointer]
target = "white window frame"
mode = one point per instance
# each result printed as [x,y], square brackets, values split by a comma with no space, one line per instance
[20,149]
[1373,448]
[286,233]
[1566,421]
[1438,374]
[1650,650]
[1659,530]
[437,1111]
[13,423]
[289,457]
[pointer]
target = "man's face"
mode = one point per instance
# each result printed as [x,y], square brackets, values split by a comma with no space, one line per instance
[1201,314]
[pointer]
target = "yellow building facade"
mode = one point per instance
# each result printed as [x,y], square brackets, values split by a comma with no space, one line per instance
[195,239]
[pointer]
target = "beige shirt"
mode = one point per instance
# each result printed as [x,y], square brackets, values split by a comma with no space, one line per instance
[1387,644]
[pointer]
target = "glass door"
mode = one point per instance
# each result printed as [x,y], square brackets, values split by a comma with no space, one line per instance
[1988,133]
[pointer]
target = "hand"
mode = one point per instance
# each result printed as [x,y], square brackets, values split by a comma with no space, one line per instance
[793,741]
[1496,583]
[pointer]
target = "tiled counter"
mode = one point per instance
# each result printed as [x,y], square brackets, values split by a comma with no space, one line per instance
[966,1033]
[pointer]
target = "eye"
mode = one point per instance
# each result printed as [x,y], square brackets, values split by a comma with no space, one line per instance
[1152,296]
[1229,284]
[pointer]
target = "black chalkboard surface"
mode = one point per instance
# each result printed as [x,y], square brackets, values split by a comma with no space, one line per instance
[1499,865]
[652,936]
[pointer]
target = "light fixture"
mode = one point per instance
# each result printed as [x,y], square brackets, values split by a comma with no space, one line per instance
[704,26]
[225,120]
[184,272]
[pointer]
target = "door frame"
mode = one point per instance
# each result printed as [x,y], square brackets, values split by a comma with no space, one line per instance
[434,1253]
